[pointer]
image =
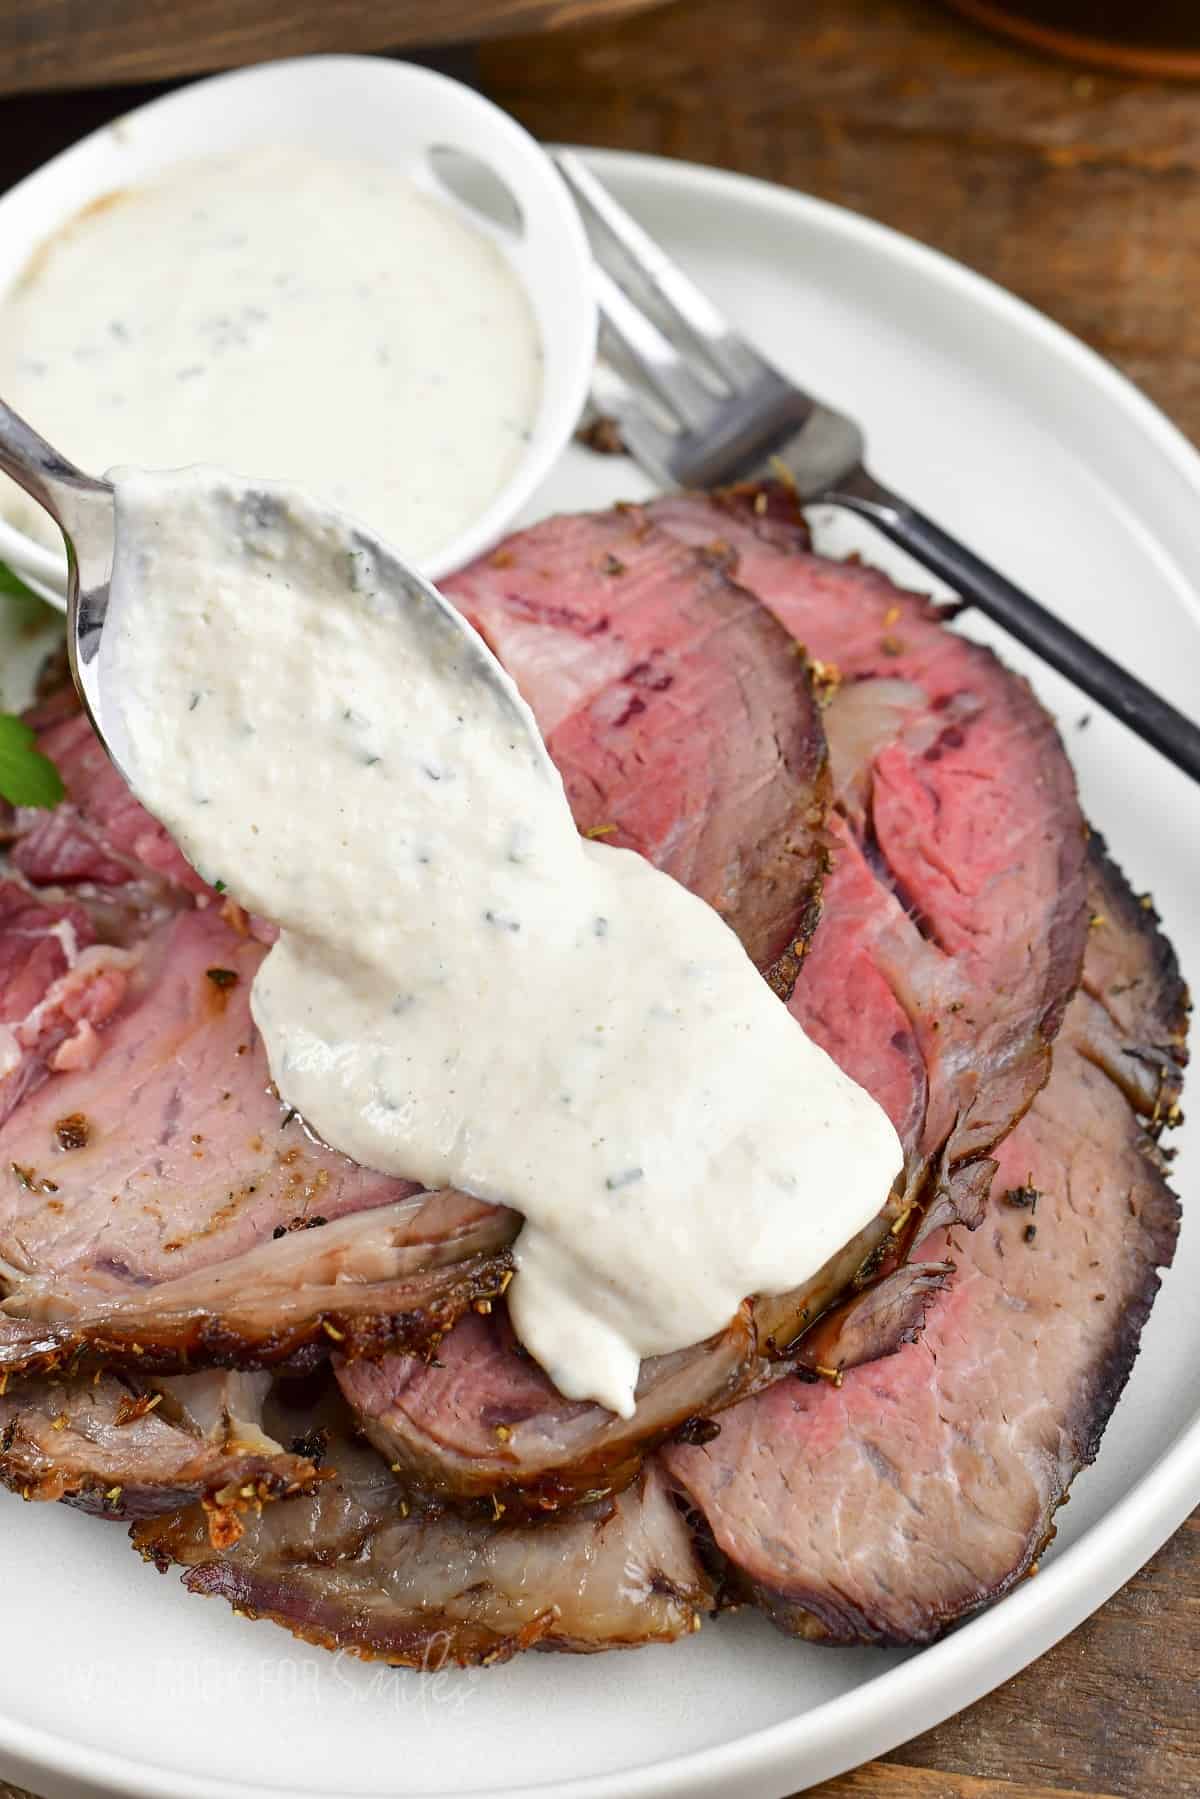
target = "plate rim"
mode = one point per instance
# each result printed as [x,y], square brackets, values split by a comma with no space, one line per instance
[936,1682]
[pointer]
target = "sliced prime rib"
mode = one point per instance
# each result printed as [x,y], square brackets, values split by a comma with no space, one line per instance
[953,929]
[348,1567]
[677,711]
[99,838]
[925,1486]
[954,790]
[481,1424]
[171,1237]
[882,1510]
[127,1448]
[160,1209]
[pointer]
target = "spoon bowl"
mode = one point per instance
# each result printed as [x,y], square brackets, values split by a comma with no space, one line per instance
[85,511]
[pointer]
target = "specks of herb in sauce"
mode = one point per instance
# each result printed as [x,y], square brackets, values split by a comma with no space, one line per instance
[501,923]
[629,1177]
[222,977]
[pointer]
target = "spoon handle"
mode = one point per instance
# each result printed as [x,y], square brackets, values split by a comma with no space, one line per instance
[56,484]
[82,508]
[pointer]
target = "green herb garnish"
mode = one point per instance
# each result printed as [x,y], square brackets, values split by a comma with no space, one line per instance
[27,778]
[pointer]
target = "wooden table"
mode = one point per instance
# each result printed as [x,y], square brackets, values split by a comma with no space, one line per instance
[1082,193]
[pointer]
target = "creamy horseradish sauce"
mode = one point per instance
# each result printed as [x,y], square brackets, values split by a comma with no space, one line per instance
[465,991]
[273,309]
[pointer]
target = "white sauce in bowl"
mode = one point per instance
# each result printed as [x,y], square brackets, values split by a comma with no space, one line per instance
[465,991]
[323,320]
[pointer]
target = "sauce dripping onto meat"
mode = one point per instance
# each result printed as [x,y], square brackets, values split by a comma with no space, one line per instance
[464,991]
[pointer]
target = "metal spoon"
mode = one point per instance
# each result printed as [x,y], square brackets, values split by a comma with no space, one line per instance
[84,510]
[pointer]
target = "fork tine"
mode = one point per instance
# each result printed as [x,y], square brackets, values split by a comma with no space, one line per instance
[650,446]
[683,303]
[618,394]
[655,356]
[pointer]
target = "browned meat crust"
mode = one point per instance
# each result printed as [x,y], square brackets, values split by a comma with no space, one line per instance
[128,1449]
[350,1567]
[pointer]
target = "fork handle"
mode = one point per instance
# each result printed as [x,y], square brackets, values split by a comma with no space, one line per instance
[979,584]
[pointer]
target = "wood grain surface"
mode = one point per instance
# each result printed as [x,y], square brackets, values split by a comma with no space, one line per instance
[1080,192]
[77,43]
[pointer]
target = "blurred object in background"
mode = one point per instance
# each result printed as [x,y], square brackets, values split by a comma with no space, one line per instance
[1150,37]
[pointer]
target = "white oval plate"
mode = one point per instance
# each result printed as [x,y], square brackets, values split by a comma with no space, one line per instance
[1036,452]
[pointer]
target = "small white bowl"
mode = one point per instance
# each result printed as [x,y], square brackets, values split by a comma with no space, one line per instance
[354,107]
